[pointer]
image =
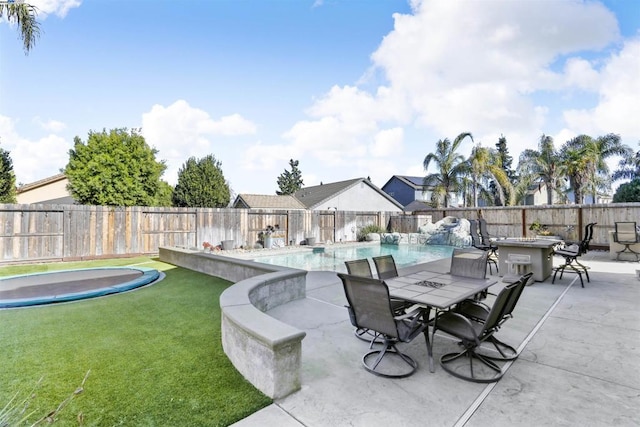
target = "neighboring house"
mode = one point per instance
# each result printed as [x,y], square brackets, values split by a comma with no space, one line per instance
[407,189]
[51,190]
[588,198]
[537,195]
[263,201]
[352,195]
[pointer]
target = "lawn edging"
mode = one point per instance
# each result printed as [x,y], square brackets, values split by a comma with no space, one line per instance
[266,351]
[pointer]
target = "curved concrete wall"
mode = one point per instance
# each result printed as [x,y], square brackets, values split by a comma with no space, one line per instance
[266,351]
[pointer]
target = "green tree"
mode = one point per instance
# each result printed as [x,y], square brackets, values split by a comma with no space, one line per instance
[115,168]
[628,167]
[7,178]
[544,164]
[164,197]
[576,165]
[451,167]
[485,169]
[595,152]
[24,16]
[504,160]
[629,192]
[290,181]
[201,183]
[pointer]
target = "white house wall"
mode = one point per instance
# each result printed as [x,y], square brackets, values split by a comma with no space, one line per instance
[361,197]
[50,191]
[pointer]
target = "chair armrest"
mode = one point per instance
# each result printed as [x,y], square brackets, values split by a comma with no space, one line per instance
[415,316]
[460,318]
[476,303]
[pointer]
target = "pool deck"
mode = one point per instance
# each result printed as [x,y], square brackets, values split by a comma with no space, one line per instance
[579,361]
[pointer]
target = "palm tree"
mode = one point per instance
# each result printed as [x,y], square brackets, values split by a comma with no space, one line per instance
[596,152]
[485,169]
[544,164]
[451,166]
[577,166]
[24,15]
[628,167]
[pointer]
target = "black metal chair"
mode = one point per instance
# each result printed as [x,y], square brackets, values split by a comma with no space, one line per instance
[473,334]
[626,234]
[362,268]
[470,263]
[385,267]
[571,253]
[476,242]
[479,312]
[359,267]
[484,232]
[371,306]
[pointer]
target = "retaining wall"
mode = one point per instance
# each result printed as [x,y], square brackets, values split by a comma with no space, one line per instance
[266,351]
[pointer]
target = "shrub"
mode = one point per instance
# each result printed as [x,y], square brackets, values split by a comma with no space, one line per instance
[629,192]
[371,228]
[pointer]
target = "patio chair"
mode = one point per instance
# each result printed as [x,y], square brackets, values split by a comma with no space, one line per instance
[479,312]
[476,242]
[484,233]
[469,263]
[385,267]
[371,306]
[626,234]
[473,334]
[362,268]
[359,267]
[583,245]
[571,253]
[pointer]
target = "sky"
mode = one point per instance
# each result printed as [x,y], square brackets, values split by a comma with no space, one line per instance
[349,88]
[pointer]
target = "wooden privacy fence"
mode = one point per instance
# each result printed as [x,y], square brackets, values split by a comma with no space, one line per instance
[73,232]
[565,221]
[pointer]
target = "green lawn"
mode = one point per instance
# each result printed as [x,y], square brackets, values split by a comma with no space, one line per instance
[155,354]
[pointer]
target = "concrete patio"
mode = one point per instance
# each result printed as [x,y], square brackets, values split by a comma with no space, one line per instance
[579,363]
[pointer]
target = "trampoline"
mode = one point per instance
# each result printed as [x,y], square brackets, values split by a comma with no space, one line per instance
[70,285]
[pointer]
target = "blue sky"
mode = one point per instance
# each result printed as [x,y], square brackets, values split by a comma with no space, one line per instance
[350,88]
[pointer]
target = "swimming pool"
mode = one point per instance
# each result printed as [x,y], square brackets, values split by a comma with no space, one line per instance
[333,257]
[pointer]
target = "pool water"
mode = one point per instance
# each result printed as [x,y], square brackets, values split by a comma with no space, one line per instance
[333,257]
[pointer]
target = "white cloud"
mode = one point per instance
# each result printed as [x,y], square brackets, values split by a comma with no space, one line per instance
[388,143]
[33,159]
[619,91]
[580,73]
[50,125]
[180,131]
[486,68]
[60,8]
[262,157]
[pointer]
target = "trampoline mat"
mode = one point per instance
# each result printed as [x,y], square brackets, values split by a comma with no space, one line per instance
[67,282]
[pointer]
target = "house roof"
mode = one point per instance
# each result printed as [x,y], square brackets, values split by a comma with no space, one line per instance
[40,183]
[536,186]
[418,205]
[316,195]
[414,182]
[267,201]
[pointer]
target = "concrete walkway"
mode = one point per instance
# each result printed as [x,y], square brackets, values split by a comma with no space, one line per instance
[579,365]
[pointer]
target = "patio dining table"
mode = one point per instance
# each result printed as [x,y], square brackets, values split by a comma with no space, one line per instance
[435,290]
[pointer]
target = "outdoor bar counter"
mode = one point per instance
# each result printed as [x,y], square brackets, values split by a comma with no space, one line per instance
[540,251]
